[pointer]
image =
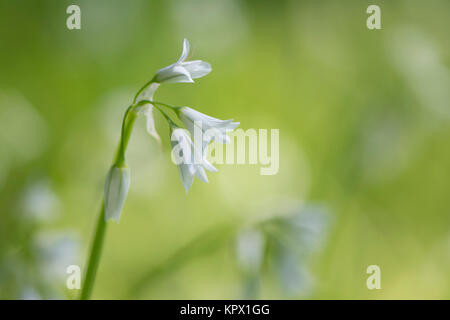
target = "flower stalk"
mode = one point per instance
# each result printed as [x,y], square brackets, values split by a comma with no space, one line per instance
[94,256]
[191,160]
[100,230]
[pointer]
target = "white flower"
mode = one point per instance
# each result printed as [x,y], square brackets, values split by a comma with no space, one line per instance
[250,247]
[183,71]
[147,109]
[56,251]
[189,159]
[211,128]
[116,190]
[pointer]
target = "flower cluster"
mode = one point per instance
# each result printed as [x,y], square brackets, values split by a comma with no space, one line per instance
[189,144]
[190,155]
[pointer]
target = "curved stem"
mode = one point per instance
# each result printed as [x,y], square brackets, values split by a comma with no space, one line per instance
[171,123]
[127,124]
[94,256]
[99,235]
[128,121]
[175,108]
[143,88]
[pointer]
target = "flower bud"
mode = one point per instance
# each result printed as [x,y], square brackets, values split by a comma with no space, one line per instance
[116,189]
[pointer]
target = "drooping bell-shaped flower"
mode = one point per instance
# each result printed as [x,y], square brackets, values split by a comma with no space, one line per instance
[211,128]
[147,109]
[116,189]
[189,159]
[183,71]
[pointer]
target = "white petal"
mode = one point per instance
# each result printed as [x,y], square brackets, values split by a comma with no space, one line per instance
[188,150]
[208,166]
[197,68]
[207,121]
[185,52]
[182,142]
[201,174]
[193,115]
[221,138]
[233,125]
[148,93]
[216,134]
[186,176]
[172,74]
[205,147]
[150,123]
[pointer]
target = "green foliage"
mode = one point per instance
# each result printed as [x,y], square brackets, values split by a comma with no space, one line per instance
[364,130]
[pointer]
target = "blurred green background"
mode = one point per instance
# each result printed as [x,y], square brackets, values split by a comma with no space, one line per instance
[364,132]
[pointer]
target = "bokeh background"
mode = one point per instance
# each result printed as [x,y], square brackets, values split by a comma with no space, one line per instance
[364,136]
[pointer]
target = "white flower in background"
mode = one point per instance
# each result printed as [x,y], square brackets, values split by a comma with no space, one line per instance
[55,251]
[189,159]
[29,293]
[40,202]
[293,236]
[292,272]
[183,71]
[250,247]
[116,189]
[212,128]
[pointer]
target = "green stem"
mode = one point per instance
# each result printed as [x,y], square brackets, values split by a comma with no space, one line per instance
[156,104]
[99,235]
[127,127]
[171,123]
[128,121]
[94,256]
[143,88]
[174,108]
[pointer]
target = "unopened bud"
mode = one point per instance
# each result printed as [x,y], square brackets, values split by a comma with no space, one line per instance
[116,189]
